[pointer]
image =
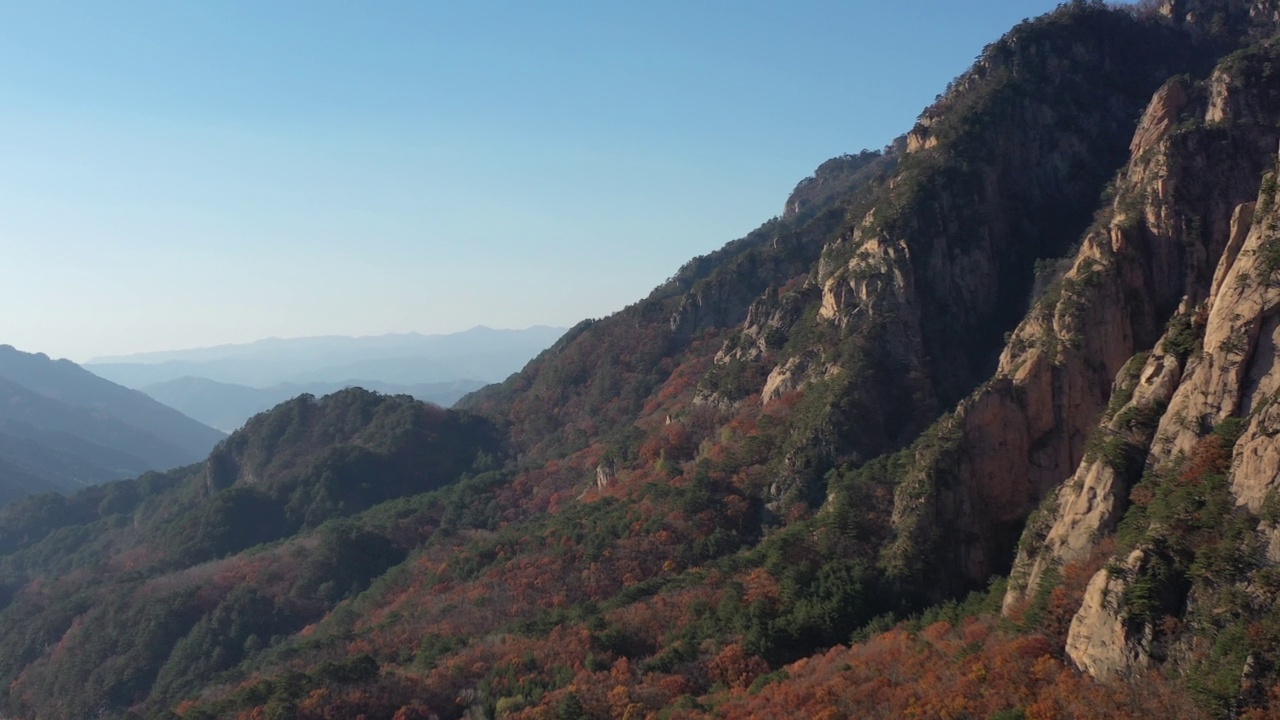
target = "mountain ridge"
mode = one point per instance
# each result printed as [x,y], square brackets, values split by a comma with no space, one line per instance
[227,406]
[481,354]
[235,348]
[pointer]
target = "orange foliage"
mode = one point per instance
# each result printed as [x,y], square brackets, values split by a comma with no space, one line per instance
[735,668]
[975,670]
[760,585]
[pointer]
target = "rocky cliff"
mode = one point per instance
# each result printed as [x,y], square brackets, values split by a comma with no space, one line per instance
[1179,467]
[1153,262]
[905,311]
[1229,382]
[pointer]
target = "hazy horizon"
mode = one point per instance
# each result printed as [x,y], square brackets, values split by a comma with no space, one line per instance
[135,356]
[143,356]
[184,176]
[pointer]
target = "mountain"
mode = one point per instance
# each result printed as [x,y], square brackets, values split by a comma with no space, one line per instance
[296,471]
[227,406]
[479,354]
[982,425]
[62,428]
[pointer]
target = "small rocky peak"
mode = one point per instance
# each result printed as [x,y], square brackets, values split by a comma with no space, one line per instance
[1103,640]
[605,473]
[1162,113]
[832,179]
[1222,18]
[1245,88]
[919,138]
[1265,12]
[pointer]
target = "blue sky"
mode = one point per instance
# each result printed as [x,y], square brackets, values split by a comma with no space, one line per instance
[181,174]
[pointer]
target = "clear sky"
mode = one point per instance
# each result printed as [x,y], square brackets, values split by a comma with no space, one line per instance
[189,173]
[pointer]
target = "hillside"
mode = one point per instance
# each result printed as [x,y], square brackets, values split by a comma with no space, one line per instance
[982,425]
[63,428]
[292,473]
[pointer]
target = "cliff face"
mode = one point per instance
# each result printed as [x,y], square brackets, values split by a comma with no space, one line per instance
[1009,169]
[1169,229]
[1165,440]
[1229,382]
[905,312]
[1195,158]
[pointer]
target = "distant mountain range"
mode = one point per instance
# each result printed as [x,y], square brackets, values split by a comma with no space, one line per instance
[227,406]
[226,385]
[63,428]
[480,354]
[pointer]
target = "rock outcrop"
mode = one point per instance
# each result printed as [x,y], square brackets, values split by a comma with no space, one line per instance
[1090,505]
[1232,376]
[1103,641]
[917,294]
[1238,374]
[1216,363]
[1157,256]
[836,177]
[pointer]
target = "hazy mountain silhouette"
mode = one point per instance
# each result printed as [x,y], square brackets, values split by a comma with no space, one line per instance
[62,428]
[227,406]
[479,354]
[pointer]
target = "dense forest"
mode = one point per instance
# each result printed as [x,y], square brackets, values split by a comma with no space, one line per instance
[981,426]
